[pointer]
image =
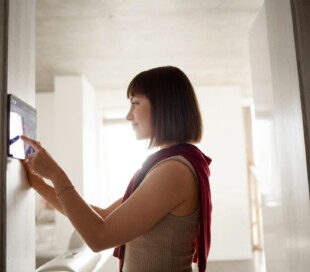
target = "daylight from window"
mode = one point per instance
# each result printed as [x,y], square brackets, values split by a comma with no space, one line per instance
[121,156]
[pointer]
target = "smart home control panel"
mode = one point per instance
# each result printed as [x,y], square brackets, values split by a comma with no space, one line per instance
[22,120]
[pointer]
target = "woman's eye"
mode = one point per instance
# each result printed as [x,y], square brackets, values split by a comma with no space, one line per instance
[134,103]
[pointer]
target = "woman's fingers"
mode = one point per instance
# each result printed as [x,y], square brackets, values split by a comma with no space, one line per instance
[27,166]
[40,161]
[30,156]
[34,144]
[25,163]
[33,178]
[28,170]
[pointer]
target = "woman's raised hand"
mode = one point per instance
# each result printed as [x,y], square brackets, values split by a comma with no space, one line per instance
[35,181]
[40,161]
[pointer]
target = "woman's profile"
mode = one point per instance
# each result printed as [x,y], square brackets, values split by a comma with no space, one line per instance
[162,223]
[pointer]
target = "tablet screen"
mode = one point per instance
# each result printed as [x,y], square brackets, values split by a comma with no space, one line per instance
[21,121]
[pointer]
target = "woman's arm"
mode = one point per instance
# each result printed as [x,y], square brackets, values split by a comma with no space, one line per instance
[43,189]
[48,193]
[167,187]
[105,212]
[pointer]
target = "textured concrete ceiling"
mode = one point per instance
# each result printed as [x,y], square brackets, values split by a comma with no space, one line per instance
[109,41]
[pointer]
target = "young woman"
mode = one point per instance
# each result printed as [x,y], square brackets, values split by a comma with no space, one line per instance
[162,223]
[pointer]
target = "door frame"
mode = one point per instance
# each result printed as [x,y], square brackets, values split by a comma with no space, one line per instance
[3,128]
[301,25]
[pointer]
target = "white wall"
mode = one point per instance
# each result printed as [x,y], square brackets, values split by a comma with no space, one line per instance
[18,249]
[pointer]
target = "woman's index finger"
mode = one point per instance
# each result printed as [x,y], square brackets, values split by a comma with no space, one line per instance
[31,142]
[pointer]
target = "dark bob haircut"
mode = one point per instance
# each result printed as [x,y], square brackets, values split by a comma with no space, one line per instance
[175,114]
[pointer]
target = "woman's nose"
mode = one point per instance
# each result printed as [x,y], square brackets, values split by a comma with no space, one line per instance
[129,116]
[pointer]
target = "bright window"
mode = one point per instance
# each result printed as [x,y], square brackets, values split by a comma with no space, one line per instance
[121,156]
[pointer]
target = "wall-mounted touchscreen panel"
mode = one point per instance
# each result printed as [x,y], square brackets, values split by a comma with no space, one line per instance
[22,120]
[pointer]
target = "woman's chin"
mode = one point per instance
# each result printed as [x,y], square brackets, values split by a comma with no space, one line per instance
[141,137]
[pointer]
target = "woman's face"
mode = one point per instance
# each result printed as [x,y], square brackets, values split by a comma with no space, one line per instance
[140,116]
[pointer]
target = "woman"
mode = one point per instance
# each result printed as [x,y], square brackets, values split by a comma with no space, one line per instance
[163,221]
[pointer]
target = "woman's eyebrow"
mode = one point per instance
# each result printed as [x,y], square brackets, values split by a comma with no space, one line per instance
[133,96]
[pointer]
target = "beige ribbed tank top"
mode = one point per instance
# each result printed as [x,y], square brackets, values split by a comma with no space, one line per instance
[168,246]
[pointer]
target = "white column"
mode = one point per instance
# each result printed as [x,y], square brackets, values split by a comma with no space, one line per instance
[66,127]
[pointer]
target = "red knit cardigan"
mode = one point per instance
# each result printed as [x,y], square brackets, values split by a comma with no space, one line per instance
[200,162]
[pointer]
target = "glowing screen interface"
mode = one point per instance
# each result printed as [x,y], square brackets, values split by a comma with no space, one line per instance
[22,120]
